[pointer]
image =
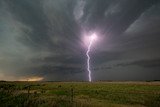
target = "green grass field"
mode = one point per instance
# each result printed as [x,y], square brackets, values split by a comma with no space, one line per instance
[79,94]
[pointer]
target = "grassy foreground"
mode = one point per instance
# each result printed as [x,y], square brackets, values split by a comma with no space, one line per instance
[79,94]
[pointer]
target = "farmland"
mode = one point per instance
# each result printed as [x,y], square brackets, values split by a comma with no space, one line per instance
[79,94]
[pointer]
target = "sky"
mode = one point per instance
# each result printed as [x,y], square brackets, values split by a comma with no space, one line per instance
[44,40]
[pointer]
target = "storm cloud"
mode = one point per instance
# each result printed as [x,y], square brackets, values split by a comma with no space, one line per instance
[43,38]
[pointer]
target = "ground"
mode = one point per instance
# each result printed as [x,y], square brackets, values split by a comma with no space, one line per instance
[79,94]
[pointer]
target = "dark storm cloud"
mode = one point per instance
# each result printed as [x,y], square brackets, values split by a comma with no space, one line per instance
[115,16]
[31,13]
[44,37]
[146,63]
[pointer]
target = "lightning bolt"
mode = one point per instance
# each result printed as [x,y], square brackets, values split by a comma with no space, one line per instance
[88,57]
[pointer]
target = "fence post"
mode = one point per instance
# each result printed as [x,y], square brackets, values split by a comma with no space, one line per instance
[72,94]
[28,90]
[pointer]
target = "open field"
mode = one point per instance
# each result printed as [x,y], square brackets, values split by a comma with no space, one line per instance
[79,94]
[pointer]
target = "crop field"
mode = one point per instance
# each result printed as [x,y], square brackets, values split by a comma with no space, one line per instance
[79,94]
